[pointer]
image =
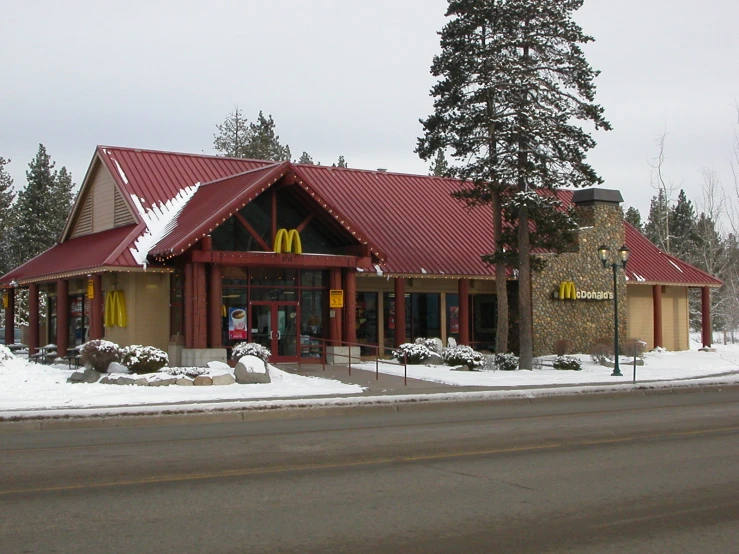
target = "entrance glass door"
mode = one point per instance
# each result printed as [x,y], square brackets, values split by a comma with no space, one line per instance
[275,325]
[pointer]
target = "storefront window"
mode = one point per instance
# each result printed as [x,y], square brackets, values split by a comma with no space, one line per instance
[425,312]
[311,323]
[77,320]
[52,303]
[485,313]
[366,319]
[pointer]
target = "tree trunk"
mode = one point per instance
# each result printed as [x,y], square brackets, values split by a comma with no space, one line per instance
[501,283]
[525,324]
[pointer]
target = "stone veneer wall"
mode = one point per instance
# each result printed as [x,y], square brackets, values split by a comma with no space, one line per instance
[582,322]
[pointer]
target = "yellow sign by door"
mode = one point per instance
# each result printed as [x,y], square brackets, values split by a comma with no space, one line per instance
[336,299]
[90,289]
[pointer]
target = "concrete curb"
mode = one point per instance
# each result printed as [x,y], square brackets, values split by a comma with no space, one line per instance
[146,416]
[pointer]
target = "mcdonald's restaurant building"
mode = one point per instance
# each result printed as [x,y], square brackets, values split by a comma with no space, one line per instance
[195,253]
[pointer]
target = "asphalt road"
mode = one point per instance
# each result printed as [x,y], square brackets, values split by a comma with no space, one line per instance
[589,475]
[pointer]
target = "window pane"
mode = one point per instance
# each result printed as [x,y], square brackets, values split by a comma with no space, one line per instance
[367,321]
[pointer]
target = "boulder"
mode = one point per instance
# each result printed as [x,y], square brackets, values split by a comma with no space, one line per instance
[250,370]
[219,365]
[202,381]
[223,379]
[451,342]
[184,382]
[84,376]
[434,359]
[163,382]
[438,345]
[124,381]
[141,382]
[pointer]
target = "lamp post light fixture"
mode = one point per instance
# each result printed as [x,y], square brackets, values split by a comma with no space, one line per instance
[623,255]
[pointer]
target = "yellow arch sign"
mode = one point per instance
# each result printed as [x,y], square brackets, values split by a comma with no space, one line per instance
[567,291]
[288,242]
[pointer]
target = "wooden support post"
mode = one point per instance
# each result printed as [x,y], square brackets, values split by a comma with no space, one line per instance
[335,323]
[464,311]
[200,307]
[657,317]
[33,319]
[10,317]
[96,308]
[707,329]
[189,303]
[215,302]
[399,311]
[350,306]
[62,317]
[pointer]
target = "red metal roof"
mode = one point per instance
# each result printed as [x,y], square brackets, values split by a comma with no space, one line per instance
[411,221]
[78,255]
[649,265]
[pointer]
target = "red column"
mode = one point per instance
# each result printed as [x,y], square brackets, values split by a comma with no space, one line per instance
[706,317]
[10,317]
[350,306]
[399,311]
[96,308]
[657,318]
[200,307]
[62,317]
[464,311]
[33,317]
[215,301]
[188,301]
[335,323]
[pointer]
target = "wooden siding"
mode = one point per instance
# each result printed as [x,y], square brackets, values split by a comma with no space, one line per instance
[675,318]
[121,213]
[83,225]
[103,203]
[640,314]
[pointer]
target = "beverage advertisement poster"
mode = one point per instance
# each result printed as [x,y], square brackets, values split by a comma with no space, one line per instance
[237,323]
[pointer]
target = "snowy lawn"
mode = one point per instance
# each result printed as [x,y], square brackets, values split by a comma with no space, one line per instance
[658,366]
[31,386]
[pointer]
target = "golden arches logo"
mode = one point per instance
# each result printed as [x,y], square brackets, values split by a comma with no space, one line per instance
[288,242]
[567,291]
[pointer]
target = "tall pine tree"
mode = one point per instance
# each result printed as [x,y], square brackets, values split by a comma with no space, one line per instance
[634,217]
[264,143]
[657,227]
[439,167]
[7,196]
[232,138]
[514,87]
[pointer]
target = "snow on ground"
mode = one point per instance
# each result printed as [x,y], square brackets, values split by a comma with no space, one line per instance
[27,387]
[658,366]
[31,386]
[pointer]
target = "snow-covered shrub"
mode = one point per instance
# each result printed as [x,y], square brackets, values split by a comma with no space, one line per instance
[5,354]
[185,371]
[488,364]
[635,348]
[601,351]
[435,345]
[567,362]
[98,354]
[250,349]
[144,359]
[462,355]
[412,353]
[506,362]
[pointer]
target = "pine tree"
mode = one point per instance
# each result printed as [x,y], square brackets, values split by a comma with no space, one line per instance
[681,224]
[634,218]
[7,196]
[264,144]
[657,228]
[232,138]
[514,88]
[340,163]
[306,159]
[439,167]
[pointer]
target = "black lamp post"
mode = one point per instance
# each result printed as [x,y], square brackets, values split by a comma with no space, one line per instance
[623,254]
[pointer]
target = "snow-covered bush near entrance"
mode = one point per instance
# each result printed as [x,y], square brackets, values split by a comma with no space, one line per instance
[185,371]
[250,349]
[144,359]
[506,362]
[98,354]
[462,355]
[5,354]
[567,362]
[435,345]
[412,353]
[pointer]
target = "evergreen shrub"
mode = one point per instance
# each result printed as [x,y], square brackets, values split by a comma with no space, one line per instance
[144,359]
[412,353]
[567,362]
[185,371]
[506,362]
[462,355]
[99,354]
[250,349]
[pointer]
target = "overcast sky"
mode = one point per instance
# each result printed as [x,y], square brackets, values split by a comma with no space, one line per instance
[344,77]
